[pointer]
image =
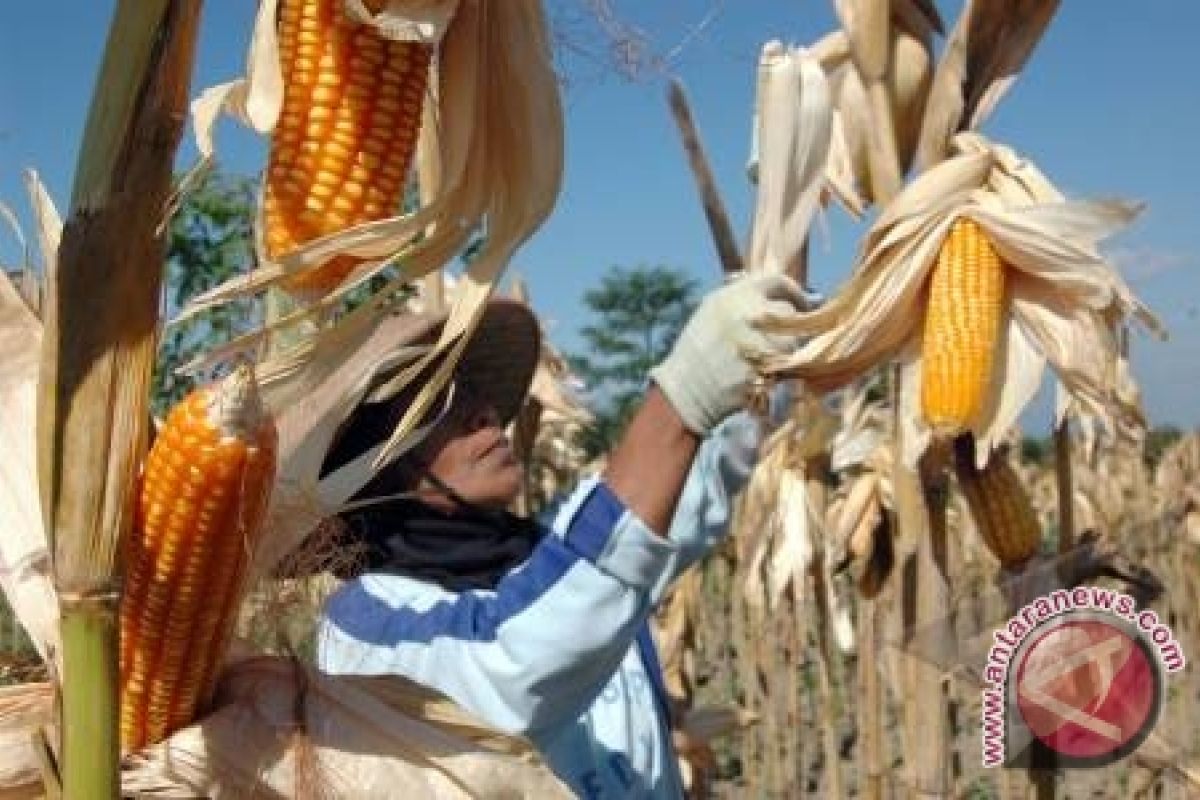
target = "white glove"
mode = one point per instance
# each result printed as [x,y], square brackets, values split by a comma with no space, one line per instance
[706,377]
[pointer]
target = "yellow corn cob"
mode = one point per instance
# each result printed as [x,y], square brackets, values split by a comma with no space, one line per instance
[342,147]
[200,511]
[962,329]
[999,504]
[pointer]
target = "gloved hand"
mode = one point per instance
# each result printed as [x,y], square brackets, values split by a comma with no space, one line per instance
[706,377]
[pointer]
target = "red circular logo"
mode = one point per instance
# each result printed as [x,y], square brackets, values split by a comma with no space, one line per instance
[1088,689]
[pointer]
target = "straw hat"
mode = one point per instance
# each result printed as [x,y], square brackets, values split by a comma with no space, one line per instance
[499,364]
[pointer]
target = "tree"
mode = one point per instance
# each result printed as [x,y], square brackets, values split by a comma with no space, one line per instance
[638,312]
[1158,441]
[210,242]
[1035,450]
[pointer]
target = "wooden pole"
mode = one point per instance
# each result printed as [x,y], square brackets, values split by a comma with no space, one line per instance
[710,198]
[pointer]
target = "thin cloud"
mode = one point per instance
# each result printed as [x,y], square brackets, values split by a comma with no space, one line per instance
[1143,263]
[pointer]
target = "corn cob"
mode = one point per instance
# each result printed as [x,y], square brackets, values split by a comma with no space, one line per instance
[962,328]
[345,138]
[200,511]
[999,504]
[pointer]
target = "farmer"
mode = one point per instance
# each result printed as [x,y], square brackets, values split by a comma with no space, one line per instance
[541,628]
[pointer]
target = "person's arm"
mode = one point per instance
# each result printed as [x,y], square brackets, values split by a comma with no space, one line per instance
[647,470]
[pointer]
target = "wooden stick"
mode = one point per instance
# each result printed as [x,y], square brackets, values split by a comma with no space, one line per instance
[714,209]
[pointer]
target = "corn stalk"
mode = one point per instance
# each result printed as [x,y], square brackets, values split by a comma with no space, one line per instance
[870,709]
[97,358]
[921,519]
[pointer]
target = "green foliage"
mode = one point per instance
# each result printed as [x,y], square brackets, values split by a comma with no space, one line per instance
[637,315]
[1036,450]
[1158,441]
[210,241]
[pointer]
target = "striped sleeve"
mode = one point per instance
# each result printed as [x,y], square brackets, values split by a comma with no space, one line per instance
[531,654]
[718,474]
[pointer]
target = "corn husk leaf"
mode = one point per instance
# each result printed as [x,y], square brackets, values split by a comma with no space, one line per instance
[407,20]
[1063,292]
[793,552]
[984,55]
[496,138]
[24,270]
[794,121]
[783,529]
[280,730]
[26,710]
[362,738]
[868,156]
[859,540]
[311,393]
[1177,478]
[25,571]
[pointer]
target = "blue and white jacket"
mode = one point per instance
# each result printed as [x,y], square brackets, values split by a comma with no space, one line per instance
[561,650]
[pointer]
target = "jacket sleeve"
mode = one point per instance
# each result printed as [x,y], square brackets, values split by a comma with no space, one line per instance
[718,474]
[538,649]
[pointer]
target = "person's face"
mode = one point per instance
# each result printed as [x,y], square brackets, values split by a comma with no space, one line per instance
[469,452]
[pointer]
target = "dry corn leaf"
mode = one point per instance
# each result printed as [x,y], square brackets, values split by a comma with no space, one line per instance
[25,570]
[793,122]
[984,55]
[25,573]
[1191,526]
[1177,478]
[493,149]
[26,710]
[867,157]
[1063,293]
[793,552]
[310,399]
[406,20]
[859,538]
[281,731]
[882,97]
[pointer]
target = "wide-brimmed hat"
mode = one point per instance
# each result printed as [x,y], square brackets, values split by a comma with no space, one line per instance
[498,362]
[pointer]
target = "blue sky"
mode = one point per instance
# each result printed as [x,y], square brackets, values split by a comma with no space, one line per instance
[1108,106]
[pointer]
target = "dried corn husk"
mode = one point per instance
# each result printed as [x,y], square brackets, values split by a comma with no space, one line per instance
[553,379]
[1177,477]
[1063,292]
[780,524]
[880,67]
[783,539]
[1115,491]
[282,731]
[311,393]
[985,52]
[495,140]
[860,538]
[26,714]
[1129,426]
[25,571]
[793,121]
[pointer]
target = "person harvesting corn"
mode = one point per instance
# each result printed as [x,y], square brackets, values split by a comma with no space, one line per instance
[540,627]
